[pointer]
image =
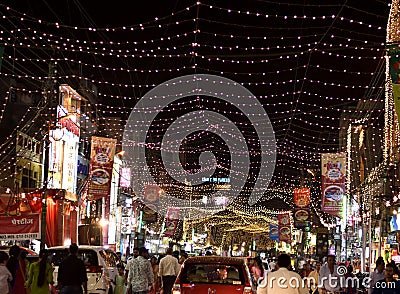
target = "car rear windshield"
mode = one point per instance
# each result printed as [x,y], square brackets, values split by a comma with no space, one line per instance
[110,258]
[88,256]
[213,274]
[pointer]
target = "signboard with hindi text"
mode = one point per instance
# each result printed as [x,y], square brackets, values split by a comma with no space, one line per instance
[20,227]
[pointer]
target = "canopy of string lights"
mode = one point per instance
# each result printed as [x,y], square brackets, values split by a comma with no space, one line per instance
[312,65]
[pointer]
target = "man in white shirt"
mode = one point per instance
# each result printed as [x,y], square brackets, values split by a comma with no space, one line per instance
[168,270]
[377,275]
[141,277]
[128,263]
[282,281]
[330,278]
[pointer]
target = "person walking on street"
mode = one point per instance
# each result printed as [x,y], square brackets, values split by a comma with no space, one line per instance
[306,270]
[128,262]
[388,285]
[72,273]
[157,282]
[23,258]
[5,275]
[377,275]
[168,271]
[120,281]
[329,277]
[351,285]
[282,281]
[40,275]
[141,277]
[183,257]
[17,268]
[258,269]
[313,277]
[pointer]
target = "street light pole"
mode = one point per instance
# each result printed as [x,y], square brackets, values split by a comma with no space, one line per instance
[50,98]
[45,188]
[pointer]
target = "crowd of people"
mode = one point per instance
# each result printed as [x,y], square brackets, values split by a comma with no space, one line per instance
[327,278]
[145,274]
[19,276]
[140,274]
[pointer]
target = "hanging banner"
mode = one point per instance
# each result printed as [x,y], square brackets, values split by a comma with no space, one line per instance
[301,213]
[125,179]
[101,166]
[171,221]
[274,233]
[284,227]
[333,177]
[21,227]
[151,199]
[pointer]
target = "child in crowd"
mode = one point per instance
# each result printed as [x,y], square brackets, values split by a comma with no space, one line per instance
[5,275]
[120,281]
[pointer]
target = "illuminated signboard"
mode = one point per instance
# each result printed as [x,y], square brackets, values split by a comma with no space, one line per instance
[220,183]
[216,180]
[63,161]
[125,179]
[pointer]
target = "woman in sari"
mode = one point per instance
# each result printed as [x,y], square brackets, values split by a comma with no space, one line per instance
[17,268]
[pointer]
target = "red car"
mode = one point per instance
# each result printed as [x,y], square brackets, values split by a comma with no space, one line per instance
[29,252]
[32,256]
[214,275]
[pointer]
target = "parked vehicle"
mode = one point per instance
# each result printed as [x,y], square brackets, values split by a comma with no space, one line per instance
[101,266]
[214,274]
[31,256]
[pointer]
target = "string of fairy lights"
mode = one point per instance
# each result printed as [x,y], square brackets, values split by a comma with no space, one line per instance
[273,66]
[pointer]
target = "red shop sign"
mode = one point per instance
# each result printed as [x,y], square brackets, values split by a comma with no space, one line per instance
[20,227]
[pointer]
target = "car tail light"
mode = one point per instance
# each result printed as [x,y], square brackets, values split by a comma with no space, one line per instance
[95,269]
[176,289]
[247,290]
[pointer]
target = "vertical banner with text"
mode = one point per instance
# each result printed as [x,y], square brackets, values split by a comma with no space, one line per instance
[274,233]
[301,213]
[125,179]
[101,166]
[171,221]
[284,227]
[333,177]
[151,198]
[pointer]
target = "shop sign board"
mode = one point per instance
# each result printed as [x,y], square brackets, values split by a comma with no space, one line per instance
[20,227]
